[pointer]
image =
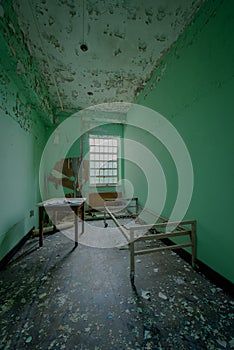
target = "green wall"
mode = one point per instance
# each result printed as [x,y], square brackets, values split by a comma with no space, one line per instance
[194,89]
[20,152]
[24,103]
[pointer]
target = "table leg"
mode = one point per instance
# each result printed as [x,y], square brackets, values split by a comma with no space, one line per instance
[82,216]
[76,225]
[41,210]
[54,220]
[132,262]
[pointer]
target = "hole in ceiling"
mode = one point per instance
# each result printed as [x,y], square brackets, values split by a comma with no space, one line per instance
[90,93]
[84,47]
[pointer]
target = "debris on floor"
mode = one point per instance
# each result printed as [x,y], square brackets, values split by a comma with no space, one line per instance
[58,297]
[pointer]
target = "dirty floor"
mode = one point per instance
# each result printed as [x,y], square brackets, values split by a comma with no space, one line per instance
[58,297]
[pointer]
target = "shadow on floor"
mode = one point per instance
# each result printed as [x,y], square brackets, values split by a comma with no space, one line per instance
[58,297]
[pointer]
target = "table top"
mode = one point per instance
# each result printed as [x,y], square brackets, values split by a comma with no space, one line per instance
[62,202]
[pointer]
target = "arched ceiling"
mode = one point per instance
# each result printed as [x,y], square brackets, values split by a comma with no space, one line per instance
[125,42]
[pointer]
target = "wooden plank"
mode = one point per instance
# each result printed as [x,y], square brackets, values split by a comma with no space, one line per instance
[162,235]
[163,224]
[152,250]
[122,229]
[96,199]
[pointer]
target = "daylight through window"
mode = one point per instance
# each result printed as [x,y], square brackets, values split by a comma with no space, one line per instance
[103,166]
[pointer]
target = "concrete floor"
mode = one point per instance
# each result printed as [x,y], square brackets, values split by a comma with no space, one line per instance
[58,297]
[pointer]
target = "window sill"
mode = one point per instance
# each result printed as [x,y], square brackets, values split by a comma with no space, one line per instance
[104,185]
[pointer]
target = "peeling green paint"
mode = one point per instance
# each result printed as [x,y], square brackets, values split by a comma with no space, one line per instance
[18,66]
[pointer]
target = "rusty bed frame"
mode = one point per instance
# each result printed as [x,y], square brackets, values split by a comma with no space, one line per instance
[159,229]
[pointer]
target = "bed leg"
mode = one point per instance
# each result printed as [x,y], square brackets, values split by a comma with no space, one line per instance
[193,239]
[105,223]
[132,278]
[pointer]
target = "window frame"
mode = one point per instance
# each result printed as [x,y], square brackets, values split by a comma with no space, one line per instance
[102,158]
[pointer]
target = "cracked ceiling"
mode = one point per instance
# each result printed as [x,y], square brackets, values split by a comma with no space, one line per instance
[125,41]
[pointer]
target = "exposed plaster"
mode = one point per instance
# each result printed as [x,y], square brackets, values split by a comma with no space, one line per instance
[130,37]
[1,12]
[22,73]
[11,103]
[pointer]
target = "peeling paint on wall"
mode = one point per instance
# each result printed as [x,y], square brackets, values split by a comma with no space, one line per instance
[22,73]
[1,12]
[11,103]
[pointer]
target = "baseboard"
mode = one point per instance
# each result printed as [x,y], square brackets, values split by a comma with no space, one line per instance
[220,281]
[13,251]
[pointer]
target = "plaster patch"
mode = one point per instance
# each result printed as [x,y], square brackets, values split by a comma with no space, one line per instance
[120,35]
[132,14]
[20,68]
[117,52]
[53,41]
[10,25]
[75,93]
[1,12]
[149,13]
[160,14]
[51,20]
[161,37]
[97,84]
[142,46]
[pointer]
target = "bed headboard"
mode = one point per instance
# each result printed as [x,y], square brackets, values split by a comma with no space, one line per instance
[96,200]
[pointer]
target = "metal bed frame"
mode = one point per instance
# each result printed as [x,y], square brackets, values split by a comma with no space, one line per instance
[157,230]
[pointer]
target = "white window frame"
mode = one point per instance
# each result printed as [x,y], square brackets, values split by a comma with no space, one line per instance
[104,164]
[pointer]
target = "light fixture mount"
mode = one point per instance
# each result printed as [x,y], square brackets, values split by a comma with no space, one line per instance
[84,47]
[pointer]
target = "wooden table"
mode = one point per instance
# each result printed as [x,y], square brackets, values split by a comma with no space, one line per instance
[59,204]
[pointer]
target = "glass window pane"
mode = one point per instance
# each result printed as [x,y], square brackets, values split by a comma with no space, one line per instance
[103,160]
[92,181]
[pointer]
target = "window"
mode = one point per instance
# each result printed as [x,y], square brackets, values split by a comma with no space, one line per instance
[103,156]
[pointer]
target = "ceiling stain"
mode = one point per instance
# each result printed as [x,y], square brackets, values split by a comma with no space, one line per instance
[124,40]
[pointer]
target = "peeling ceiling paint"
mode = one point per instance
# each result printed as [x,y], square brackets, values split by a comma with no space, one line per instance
[125,41]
